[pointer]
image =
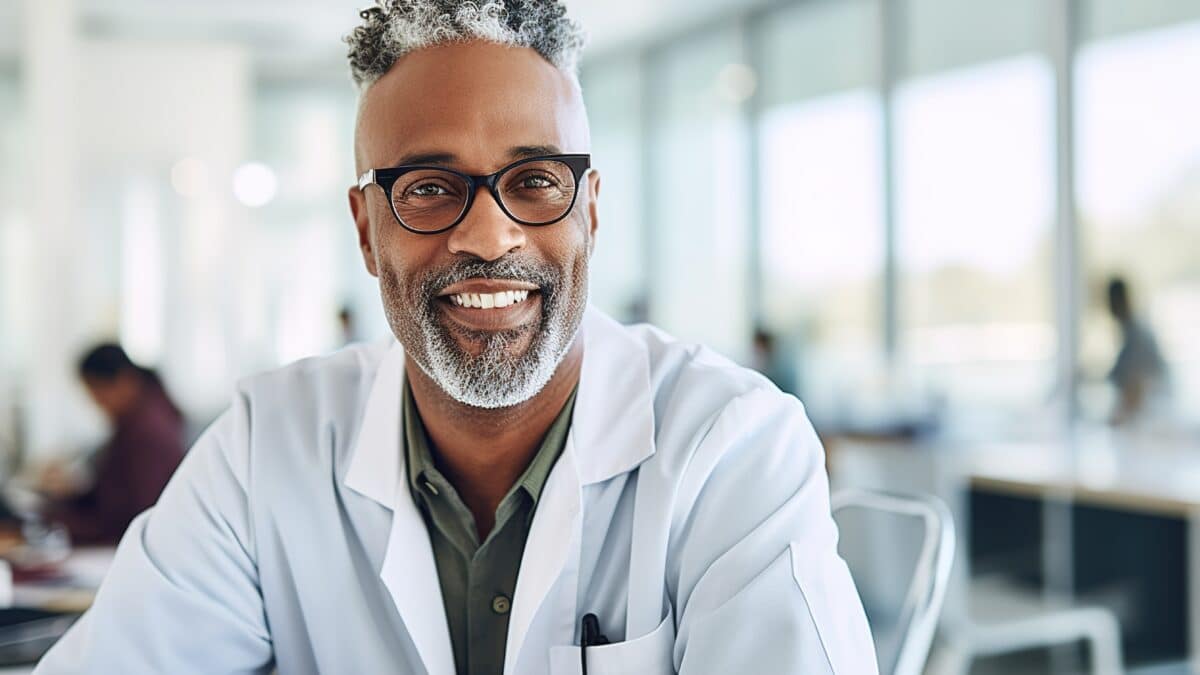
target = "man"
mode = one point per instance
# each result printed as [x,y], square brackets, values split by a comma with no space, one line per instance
[515,474]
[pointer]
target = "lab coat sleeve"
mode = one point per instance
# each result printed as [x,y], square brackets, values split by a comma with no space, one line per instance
[182,595]
[760,587]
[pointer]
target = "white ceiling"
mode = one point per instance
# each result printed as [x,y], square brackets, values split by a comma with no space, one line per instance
[304,37]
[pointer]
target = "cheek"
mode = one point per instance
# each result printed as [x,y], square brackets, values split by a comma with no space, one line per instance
[404,257]
[582,244]
[568,244]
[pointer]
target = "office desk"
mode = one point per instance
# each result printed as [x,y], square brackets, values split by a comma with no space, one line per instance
[1123,473]
[84,571]
[1162,479]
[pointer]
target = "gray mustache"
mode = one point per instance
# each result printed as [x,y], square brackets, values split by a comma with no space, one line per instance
[527,271]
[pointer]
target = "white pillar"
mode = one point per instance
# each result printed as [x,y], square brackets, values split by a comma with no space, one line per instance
[56,412]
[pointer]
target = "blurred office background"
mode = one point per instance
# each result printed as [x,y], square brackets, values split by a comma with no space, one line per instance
[905,211]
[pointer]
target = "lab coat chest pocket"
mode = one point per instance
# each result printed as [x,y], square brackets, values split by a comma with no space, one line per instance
[651,654]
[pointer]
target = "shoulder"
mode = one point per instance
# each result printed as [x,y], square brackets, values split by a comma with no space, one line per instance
[318,386]
[301,418]
[346,367]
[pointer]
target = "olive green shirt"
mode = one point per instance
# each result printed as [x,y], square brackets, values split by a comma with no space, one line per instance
[477,580]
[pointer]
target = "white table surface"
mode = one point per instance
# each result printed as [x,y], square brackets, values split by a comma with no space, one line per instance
[85,569]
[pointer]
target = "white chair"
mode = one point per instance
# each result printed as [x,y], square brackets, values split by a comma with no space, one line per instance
[982,617]
[1005,619]
[903,621]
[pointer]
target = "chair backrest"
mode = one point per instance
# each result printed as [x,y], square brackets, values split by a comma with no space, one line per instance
[904,615]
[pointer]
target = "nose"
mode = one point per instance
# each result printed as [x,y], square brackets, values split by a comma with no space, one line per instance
[486,232]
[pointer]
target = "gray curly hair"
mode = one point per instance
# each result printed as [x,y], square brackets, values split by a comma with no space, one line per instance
[393,28]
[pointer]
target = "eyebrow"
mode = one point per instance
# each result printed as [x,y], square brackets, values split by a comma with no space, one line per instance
[449,158]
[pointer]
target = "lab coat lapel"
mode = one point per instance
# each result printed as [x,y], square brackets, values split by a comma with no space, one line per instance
[612,432]
[618,436]
[377,471]
[550,563]
[411,577]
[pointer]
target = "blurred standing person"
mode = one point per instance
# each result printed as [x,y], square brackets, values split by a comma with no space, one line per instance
[770,361]
[132,468]
[347,326]
[1139,372]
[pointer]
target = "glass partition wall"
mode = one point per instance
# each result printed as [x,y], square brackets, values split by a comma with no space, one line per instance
[877,188]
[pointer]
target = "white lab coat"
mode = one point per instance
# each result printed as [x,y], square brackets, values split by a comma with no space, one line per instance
[689,510]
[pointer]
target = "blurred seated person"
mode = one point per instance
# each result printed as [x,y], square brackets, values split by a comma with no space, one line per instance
[1139,372]
[130,471]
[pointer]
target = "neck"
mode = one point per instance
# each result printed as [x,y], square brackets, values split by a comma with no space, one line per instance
[483,452]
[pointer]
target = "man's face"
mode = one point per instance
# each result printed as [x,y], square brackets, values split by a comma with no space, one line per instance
[476,107]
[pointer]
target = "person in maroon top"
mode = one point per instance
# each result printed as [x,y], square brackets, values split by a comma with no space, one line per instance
[133,467]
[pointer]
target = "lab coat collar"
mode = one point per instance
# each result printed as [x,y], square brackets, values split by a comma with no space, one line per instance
[376,464]
[613,426]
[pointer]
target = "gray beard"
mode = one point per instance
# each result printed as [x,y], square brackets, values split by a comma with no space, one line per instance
[495,377]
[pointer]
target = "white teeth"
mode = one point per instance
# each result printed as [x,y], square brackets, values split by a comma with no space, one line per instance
[489,300]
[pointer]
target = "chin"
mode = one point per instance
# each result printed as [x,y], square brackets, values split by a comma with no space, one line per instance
[514,344]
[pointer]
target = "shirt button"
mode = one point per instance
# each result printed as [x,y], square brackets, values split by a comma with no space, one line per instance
[430,486]
[501,604]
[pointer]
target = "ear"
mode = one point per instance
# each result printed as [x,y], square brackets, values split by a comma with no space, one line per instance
[593,209]
[362,222]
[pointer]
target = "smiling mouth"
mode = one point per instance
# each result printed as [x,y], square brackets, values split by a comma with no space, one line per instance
[491,312]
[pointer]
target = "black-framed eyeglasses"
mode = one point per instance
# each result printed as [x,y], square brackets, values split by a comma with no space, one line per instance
[431,199]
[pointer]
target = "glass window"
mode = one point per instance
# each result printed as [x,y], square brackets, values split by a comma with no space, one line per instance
[1138,158]
[821,247]
[612,91]
[292,308]
[975,210]
[700,193]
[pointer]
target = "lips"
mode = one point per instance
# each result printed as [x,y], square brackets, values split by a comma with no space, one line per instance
[482,286]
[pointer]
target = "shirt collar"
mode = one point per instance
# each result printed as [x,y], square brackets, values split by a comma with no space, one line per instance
[416,444]
[421,466]
[534,478]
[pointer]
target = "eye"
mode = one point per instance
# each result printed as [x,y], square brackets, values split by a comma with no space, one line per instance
[536,181]
[428,190]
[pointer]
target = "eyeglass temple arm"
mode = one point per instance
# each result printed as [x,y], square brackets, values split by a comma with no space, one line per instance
[366,179]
